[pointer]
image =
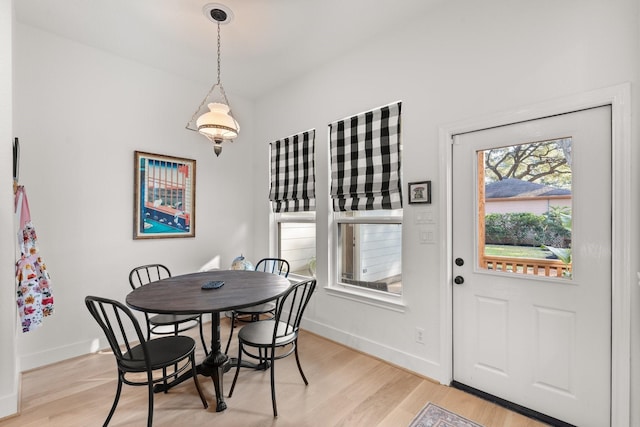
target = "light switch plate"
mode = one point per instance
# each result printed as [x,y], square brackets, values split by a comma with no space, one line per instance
[424,216]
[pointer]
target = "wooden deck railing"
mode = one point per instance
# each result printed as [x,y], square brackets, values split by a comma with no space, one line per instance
[540,267]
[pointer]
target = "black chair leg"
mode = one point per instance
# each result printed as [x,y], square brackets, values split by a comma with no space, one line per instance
[233,324]
[146,318]
[175,367]
[194,373]
[235,377]
[164,375]
[298,363]
[115,402]
[204,344]
[150,416]
[273,381]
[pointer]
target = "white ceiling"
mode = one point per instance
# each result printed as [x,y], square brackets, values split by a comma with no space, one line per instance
[267,43]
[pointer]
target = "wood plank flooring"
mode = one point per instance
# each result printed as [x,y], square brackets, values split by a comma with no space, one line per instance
[346,388]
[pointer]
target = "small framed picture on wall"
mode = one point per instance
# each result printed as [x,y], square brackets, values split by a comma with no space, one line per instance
[420,192]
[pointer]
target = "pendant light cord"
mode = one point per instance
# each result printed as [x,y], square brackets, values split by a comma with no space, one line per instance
[218,84]
[219,53]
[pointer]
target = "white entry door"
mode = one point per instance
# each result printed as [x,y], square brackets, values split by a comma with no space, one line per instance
[539,339]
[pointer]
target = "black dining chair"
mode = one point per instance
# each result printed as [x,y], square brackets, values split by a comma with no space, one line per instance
[252,314]
[259,340]
[164,324]
[135,354]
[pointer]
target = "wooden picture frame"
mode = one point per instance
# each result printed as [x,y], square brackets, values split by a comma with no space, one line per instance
[420,192]
[164,196]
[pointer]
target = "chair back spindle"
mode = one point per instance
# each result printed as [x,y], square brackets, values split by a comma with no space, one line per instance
[259,340]
[132,352]
[163,324]
[120,327]
[273,265]
[292,306]
[277,266]
[145,274]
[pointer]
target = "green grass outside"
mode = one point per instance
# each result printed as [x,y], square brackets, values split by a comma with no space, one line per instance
[516,251]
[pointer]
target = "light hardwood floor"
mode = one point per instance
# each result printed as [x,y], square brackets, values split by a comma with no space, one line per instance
[346,388]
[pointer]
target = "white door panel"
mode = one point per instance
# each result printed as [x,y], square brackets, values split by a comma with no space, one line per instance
[540,342]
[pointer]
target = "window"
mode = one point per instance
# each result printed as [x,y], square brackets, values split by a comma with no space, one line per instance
[297,241]
[367,200]
[524,200]
[370,250]
[292,196]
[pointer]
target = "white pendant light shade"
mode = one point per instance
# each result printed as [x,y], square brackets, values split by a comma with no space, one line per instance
[217,124]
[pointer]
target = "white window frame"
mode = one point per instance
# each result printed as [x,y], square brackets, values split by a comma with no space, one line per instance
[337,288]
[278,218]
[381,299]
[308,217]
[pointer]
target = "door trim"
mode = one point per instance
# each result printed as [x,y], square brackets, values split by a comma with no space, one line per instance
[619,97]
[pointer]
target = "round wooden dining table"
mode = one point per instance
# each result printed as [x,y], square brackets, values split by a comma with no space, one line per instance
[185,295]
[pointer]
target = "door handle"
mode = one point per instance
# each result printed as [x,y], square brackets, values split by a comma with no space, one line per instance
[459,280]
[459,262]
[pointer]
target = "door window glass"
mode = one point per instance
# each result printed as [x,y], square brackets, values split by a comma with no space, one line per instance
[524,208]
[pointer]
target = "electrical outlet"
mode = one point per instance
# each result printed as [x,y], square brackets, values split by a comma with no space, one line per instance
[420,335]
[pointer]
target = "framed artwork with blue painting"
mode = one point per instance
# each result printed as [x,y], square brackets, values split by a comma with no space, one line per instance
[164,196]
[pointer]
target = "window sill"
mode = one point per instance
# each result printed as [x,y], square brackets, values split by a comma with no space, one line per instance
[377,299]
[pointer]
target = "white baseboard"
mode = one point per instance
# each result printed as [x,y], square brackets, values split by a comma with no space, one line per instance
[410,362]
[9,405]
[39,359]
[54,355]
[428,368]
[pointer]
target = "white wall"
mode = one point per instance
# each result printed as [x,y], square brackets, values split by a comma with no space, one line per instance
[464,60]
[8,360]
[80,113]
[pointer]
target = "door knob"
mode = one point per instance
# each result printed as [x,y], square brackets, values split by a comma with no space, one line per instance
[459,262]
[459,280]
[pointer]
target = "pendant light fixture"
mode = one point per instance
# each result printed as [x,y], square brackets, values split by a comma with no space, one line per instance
[213,117]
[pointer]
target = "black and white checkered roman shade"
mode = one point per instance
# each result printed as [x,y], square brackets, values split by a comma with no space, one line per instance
[365,160]
[293,187]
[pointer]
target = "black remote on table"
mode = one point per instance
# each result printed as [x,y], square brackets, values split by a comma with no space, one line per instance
[213,285]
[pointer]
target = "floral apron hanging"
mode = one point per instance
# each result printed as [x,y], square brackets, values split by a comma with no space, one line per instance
[34,297]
